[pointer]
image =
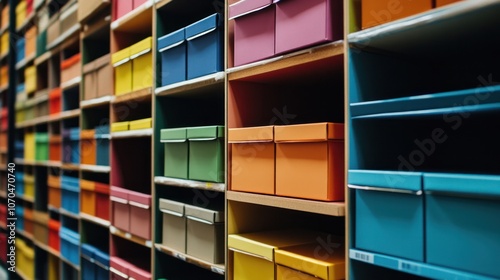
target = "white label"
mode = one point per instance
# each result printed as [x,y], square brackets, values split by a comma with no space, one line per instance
[409,267]
[128,235]
[149,243]
[217,270]
[361,256]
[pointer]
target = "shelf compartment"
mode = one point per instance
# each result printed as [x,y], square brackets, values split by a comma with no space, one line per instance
[212,82]
[128,236]
[100,101]
[209,186]
[216,268]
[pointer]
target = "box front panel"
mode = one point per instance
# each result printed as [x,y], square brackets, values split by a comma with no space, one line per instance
[204,55]
[123,78]
[174,232]
[176,160]
[173,65]
[142,76]
[205,241]
[246,267]
[140,222]
[206,160]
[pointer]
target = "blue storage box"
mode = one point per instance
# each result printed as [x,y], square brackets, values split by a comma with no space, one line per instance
[102,265]
[20,217]
[173,52]
[19,149]
[19,182]
[20,88]
[204,47]
[463,224]
[20,46]
[70,242]
[88,262]
[74,142]
[70,190]
[389,212]
[102,145]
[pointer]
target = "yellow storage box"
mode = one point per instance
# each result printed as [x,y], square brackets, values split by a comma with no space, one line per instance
[142,64]
[29,185]
[140,124]
[123,71]
[119,126]
[30,79]
[20,13]
[29,146]
[4,44]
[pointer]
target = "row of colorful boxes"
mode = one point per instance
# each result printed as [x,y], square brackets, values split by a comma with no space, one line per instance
[26,46]
[95,263]
[196,231]
[282,160]
[448,220]
[131,211]
[263,29]
[287,254]
[193,51]
[195,153]
[123,270]
[131,125]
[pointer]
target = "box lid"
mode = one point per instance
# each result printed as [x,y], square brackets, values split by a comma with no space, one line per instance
[312,132]
[120,193]
[101,257]
[140,48]
[202,27]
[171,207]
[119,265]
[70,61]
[88,250]
[251,134]
[42,137]
[171,40]
[54,225]
[244,7]
[140,200]
[101,188]
[120,57]
[263,244]
[55,93]
[120,126]
[201,133]
[89,67]
[172,135]
[87,134]
[313,259]
[87,185]
[386,180]
[204,215]
[69,235]
[145,121]
[463,184]
[138,273]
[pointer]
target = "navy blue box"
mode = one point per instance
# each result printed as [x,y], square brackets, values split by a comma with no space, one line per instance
[173,52]
[102,265]
[204,47]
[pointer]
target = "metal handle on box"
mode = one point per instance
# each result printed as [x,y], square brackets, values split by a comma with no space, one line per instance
[370,188]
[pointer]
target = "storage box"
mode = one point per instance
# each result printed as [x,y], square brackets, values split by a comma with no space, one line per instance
[29,185]
[205,51]
[19,182]
[307,262]
[310,155]
[87,197]
[102,201]
[174,224]
[69,16]
[29,223]
[5,16]
[43,19]
[123,70]
[142,64]
[30,79]
[120,208]
[301,24]
[20,217]
[41,43]
[88,265]
[54,184]
[253,253]
[29,146]
[176,162]
[70,191]
[138,3]
[140,124]
[55,101]
[119,268]
[20,13]
[71,68]
[102,262]
[173,52]
[41,228]
[205,234]
[252,159]
[42,146]
[30,39]
[254,30]
[90,7]
[206,153]
[88,147]
[102,145]
[5,44]
[89,81]
[74,142]
[20,46]
[54,29]
[138,273]
[55,147]
[121,8]
[70,243]
[389,217]
[462,222]
[140,214]
[374,13]
[120,126]
[54,240]
[97,78]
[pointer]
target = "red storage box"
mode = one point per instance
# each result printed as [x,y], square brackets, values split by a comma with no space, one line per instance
[55,147]
[119,268]
[140,214]
[4,118]
[138,3]
[55,101]
[122,7]
[120,208]
[102,201]
[54,240]
[3,247]
[304,23]
[254,30]
[29,7]
[71,68]
[139,273]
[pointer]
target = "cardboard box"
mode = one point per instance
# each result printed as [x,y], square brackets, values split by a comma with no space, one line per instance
[389,219]
[176,160]
[440,3]
[89,81]
[140,124]
[252,159]
[205,47]
[97,76]
[69,16]
[71,68]
[205,234]
[121,8]
[142,64]
[309,262]
[5,44]
[123,71]
[376,12]
[254,30]
[88,147]
[54,184]
[173,52]
[310,155]
[54,29]
[206,153]
[41,227]
[461,222]
[174,224]
[87,197]
[55,147]
[120,208]
[300,24]
[102,201]
[140,214]
[87,8]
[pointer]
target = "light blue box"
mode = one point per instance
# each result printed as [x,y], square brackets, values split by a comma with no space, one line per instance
[463,224]
[102,145]
[70,193]
[204,47]
[20,217]
[19,182]
[389,212]
[20,46]
[70,241]
[74,137]
[173,51]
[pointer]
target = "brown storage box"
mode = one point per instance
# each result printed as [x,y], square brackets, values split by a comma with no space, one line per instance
[54,29]
[71,68]
[54,184]
[41,230]
[89,81]
[376,12]
[29,224]
[69,16]
[88,147]
[98,77]
[30,37]
[42,109]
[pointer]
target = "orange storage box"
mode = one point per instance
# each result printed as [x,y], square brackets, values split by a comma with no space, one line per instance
[376,12]
[29,223]
[71,68]
[87,197]
[310,161]
[440,3]
[88,146]
[55,147]
[30,39]
[55,101]
[54,184]
[102,201]
[252,159]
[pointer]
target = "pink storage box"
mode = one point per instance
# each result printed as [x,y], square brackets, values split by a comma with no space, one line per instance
[140,214]
[122,7]
[139,274]
[120,208]
[301,23]
[138,3]
[119,268]
[254,28]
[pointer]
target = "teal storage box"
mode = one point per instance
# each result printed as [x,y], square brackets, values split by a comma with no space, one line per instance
[74,137]
[41,43]
[20,182]
[20,217]
[70,193]
[463,222]
[20,45]
[206,153]
[205,46]
[172,49]
[389,212]
[102,137]
[176,152]
[42,146]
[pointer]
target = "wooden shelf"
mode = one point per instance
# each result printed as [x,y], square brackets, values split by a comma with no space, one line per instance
[3,56]
[205,83]
[89,30]
[209,186]
[44,57]
[132,133]
[69,214]
[131,20]
[318,207]
[70,32]
[95,220]
[138,95]
[84,104]
[53,163]
[53,209]
[126,235]
[33,122]
[70,114]
[25,198]
[25,61]
[70,166]
[95,168]
[216,268]
[25,234]
[71,83]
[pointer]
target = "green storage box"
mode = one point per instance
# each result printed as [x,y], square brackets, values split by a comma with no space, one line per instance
[41,43]
[20,111]
[176,152]
[206,153]
[42,146]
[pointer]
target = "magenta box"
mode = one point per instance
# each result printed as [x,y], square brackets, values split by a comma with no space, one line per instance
[301,23]
[121,266]
[254,22]
[120,208]
[122,7]
[140,214]
[139,274]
